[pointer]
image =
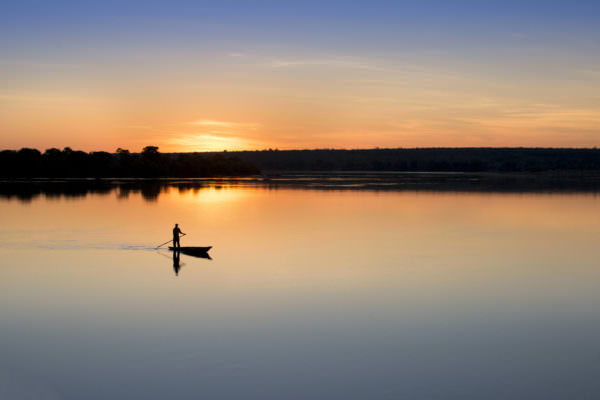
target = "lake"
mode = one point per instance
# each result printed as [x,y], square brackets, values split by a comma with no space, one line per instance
[312,293]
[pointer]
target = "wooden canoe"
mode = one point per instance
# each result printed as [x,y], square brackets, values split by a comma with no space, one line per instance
[190,250]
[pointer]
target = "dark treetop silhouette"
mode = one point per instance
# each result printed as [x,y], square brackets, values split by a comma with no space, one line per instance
[68,163]
[426,159]
[150,163]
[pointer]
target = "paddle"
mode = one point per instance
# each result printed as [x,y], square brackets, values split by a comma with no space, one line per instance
[183,234]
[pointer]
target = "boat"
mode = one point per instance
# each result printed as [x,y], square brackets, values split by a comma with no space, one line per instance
[192,251]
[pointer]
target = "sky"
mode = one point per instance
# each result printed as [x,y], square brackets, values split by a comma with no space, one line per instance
[243,75]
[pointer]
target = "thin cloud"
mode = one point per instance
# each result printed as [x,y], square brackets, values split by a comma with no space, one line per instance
[226,124]
[42,97]
[211,141]
[206,122]
[21,63]
[325,62]
[590,73]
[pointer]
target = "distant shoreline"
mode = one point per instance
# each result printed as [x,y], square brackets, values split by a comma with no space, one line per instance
[399,181]
[150,163]
[470,159]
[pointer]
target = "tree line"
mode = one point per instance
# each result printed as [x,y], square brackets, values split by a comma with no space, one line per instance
[150,163]
[426,159]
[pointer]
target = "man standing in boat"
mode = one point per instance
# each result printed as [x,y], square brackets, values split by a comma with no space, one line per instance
[176,233]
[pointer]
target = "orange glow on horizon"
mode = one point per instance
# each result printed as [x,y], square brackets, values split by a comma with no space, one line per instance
[282,108]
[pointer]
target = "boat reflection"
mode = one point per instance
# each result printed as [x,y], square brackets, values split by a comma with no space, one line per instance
[198,252]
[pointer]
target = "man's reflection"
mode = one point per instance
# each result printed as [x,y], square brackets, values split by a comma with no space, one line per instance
[176,266]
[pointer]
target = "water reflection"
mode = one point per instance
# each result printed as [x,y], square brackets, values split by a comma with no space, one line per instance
[324,294]
[176,265]
[191,253]
[150,190]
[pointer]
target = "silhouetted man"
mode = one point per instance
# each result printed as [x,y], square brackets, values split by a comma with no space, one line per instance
[176,233]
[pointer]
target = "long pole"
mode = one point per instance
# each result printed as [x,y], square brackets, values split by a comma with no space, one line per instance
[183,234]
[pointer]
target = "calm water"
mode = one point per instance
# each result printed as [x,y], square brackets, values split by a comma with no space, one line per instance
[310,294]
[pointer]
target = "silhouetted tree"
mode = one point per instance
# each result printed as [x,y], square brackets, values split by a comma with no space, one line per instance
[150,151]
[150,163]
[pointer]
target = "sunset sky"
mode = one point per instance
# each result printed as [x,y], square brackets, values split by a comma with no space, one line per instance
[200,76]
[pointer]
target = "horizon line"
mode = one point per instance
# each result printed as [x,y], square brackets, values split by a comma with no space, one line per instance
[331,149]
